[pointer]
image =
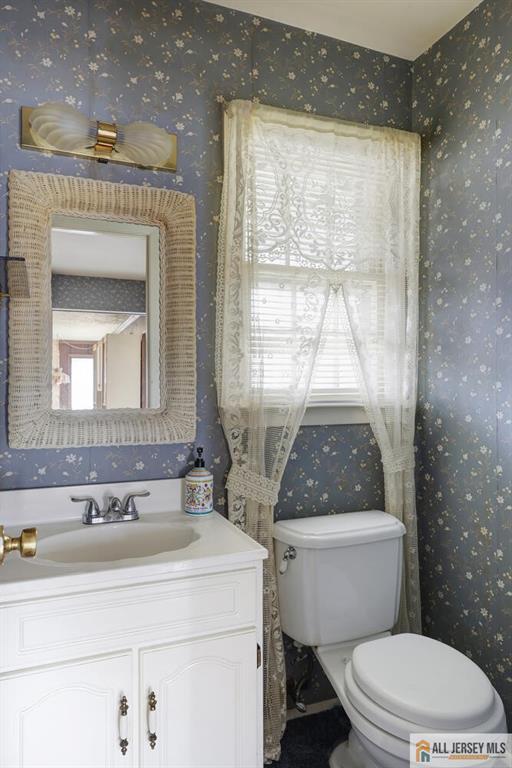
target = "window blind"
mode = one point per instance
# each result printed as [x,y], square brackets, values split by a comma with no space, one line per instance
[334,380]
[277,308]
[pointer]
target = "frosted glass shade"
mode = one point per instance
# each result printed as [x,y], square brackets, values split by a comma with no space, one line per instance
[63,127]
[144,143]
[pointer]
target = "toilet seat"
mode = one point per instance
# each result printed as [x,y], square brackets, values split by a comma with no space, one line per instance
[401,727]
[423,681]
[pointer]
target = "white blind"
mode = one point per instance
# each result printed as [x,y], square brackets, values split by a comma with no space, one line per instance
[277,307]
[334,380]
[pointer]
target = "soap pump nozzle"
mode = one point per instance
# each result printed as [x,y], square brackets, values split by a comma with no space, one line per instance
[199,462]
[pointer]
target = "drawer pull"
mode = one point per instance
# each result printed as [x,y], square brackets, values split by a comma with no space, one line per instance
[152,702]
[123,725]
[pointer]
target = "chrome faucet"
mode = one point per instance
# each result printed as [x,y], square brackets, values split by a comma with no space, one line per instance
[116,512]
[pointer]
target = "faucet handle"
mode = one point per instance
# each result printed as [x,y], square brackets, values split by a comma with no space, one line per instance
[129,507]
[92,509]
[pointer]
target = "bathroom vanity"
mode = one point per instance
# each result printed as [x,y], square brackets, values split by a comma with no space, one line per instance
[129,644]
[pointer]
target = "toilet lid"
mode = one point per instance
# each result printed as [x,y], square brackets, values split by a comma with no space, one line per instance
[423,681]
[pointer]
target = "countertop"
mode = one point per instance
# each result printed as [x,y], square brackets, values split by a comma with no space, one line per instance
[220,545]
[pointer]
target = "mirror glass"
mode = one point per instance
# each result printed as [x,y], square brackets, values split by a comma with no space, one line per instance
[105,314]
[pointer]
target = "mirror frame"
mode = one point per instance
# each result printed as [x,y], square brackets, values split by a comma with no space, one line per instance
[33,199]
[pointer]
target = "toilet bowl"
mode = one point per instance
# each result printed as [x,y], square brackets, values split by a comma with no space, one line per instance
[402,684]
[344,576]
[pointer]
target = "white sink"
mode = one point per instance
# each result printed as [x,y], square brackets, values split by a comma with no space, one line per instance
[115,541]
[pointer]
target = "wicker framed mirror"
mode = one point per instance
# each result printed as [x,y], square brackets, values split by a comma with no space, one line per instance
[103,352]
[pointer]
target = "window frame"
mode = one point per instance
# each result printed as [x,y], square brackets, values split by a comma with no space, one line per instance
[321,415]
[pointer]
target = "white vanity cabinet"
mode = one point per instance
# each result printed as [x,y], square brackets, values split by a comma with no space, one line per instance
[164,674]
[151,661]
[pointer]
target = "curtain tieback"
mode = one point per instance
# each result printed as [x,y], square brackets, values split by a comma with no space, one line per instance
[399,461]
[243,482]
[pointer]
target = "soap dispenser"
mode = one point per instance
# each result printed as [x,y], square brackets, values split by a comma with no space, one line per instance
[199,488]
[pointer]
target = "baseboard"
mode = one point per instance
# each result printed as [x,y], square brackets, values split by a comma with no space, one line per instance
[313,709]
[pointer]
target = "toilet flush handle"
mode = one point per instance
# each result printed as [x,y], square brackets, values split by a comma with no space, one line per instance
[290,553]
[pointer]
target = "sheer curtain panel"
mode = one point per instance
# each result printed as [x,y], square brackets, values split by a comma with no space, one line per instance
[318,230]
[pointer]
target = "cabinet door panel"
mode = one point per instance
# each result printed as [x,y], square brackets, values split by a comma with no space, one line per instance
[66,716]
[206,714]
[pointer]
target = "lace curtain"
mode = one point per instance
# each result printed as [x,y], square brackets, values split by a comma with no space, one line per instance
[315,213]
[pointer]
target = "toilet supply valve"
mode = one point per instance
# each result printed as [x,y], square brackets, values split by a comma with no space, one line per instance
[290,553]
[25,543]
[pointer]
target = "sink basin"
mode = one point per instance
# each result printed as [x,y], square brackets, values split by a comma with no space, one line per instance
[115,541]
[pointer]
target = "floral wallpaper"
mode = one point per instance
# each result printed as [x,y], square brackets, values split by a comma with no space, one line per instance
[98,294]
[462,106]
[175,63]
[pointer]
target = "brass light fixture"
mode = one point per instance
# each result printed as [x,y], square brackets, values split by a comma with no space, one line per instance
[63,130]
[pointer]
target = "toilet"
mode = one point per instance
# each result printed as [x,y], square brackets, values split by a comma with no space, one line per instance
[339,588]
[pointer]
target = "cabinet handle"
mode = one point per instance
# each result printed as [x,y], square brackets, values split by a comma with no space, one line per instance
[152,702]
[123,725]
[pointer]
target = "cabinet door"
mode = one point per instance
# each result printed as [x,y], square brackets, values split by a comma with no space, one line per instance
[206,712]
[67,716]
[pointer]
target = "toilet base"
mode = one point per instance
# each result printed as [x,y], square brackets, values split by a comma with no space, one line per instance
[341,757]
[352,754]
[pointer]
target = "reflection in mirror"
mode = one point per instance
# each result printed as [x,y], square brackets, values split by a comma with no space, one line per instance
[105,314]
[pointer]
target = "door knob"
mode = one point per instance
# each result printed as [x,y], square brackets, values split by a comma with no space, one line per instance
[25,543]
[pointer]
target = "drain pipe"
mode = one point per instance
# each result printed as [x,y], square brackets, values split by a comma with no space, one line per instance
[296,687]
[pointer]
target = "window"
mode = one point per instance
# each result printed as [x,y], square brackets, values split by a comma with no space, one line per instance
[335,395]
[301,237]
[335,381]
[317,244]
[82,383]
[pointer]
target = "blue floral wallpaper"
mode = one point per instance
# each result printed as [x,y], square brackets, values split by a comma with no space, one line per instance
[175,63]
[98,294]
[463,108]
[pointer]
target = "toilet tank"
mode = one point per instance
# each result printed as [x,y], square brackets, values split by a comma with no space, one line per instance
[344,581]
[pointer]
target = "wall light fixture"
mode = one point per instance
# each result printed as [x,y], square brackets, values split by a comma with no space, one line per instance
[63,130]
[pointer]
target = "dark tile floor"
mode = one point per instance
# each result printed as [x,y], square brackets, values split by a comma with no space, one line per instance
[308,741]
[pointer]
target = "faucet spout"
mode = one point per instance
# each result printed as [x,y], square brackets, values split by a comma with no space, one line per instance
[115,508]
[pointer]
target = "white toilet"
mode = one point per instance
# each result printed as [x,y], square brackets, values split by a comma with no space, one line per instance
[339,585]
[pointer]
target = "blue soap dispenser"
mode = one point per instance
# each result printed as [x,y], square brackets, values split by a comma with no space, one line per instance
[199,488]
